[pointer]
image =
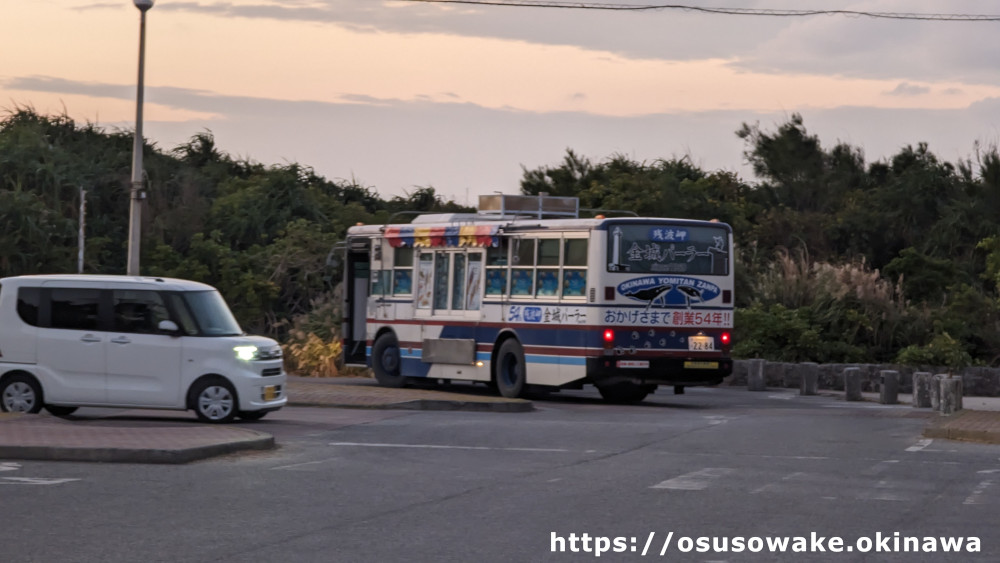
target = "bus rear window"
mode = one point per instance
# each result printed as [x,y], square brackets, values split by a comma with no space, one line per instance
[658,248]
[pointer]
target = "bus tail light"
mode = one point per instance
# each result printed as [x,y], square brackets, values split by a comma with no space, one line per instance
[609,338]
[725,338]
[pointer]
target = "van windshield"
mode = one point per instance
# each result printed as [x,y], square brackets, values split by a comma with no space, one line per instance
[211,313]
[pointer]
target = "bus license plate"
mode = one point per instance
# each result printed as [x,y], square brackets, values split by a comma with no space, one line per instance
[632,363]
[270,393]
[701,343]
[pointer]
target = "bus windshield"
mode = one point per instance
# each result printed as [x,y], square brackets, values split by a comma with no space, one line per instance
[668,248]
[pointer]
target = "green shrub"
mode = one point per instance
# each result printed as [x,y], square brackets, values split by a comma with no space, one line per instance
[943,350]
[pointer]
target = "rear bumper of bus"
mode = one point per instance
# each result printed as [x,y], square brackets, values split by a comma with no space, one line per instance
[658,371]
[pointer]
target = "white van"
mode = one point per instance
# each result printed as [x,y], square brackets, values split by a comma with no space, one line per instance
[69,341]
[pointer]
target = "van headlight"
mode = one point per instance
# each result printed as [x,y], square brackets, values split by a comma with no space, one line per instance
[246,353]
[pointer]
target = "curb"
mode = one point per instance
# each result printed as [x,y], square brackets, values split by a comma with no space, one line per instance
[426,405]
[131,455]
[45,438]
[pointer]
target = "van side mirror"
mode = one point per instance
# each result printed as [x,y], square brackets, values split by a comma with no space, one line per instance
[169,327]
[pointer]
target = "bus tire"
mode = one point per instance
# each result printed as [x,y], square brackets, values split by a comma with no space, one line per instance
[623,392]
[386,361]
[512,374]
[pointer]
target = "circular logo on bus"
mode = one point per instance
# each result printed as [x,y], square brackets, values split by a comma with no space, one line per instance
[669,291]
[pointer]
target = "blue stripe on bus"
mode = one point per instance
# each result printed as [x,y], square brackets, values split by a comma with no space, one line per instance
[413,367]
[555,360]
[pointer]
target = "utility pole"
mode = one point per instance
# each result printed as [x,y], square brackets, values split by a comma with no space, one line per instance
[135,201]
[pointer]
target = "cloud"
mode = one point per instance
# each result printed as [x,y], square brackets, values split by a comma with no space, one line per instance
[858,47]
[62,86]
[907,89]
[462,148]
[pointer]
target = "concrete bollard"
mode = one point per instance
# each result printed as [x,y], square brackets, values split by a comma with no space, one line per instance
[888,393]
[755,379]
[935,389]
[852,384]
[951,395]
[921,390]
[809,380]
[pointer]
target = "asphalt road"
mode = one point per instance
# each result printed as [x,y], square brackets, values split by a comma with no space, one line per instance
[361,485]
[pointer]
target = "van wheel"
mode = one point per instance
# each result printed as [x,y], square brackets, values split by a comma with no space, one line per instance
[56,410]
[386,362]
[215,400]
[20,393]
[511,375]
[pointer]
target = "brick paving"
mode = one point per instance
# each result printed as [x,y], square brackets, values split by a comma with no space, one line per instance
[968,425]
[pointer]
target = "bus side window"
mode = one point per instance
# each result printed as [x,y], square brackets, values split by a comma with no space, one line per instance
[522,276]
[574,278]
[547,267]
[496,268]
[473,282]
[381,280]
[402,271]
[425,275]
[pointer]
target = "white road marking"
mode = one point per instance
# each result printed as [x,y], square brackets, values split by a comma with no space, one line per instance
[9,466]
[858,405]
[774,486]
[880,467]
[444,447]
[780,397]
[882,492]
[977,493]
[303,464]
[921,444]
[694,481]
[33,481]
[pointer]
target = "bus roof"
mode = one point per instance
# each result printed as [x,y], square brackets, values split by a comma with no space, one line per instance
[512,224]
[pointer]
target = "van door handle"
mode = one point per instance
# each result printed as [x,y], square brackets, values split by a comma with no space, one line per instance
[121,340]
[89,338]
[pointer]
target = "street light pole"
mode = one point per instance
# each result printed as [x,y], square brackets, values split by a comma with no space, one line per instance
[135,202]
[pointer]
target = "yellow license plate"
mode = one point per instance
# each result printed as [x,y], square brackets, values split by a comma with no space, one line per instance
[270,393]
[701,365]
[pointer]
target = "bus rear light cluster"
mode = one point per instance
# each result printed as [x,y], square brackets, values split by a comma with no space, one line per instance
[609,336]
[725,338]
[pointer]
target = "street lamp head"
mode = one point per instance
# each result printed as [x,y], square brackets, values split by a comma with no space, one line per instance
[143,5]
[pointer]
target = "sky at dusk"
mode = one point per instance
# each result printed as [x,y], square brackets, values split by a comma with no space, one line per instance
[397,95]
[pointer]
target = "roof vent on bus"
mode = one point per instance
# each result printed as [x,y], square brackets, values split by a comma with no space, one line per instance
[532,206]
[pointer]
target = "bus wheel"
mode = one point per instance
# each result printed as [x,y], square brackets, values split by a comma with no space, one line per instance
[623,392]
[385,361]
[511,372]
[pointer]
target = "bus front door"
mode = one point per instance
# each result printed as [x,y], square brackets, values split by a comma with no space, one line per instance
[357,273]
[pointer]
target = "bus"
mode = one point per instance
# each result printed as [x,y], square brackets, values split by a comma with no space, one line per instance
[524,294]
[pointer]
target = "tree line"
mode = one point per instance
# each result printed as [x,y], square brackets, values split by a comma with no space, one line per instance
[838,259]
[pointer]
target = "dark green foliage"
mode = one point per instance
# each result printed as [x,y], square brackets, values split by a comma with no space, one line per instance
[260,234]
[838,260]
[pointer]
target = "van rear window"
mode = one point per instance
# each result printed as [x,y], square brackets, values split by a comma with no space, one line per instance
[28,299]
